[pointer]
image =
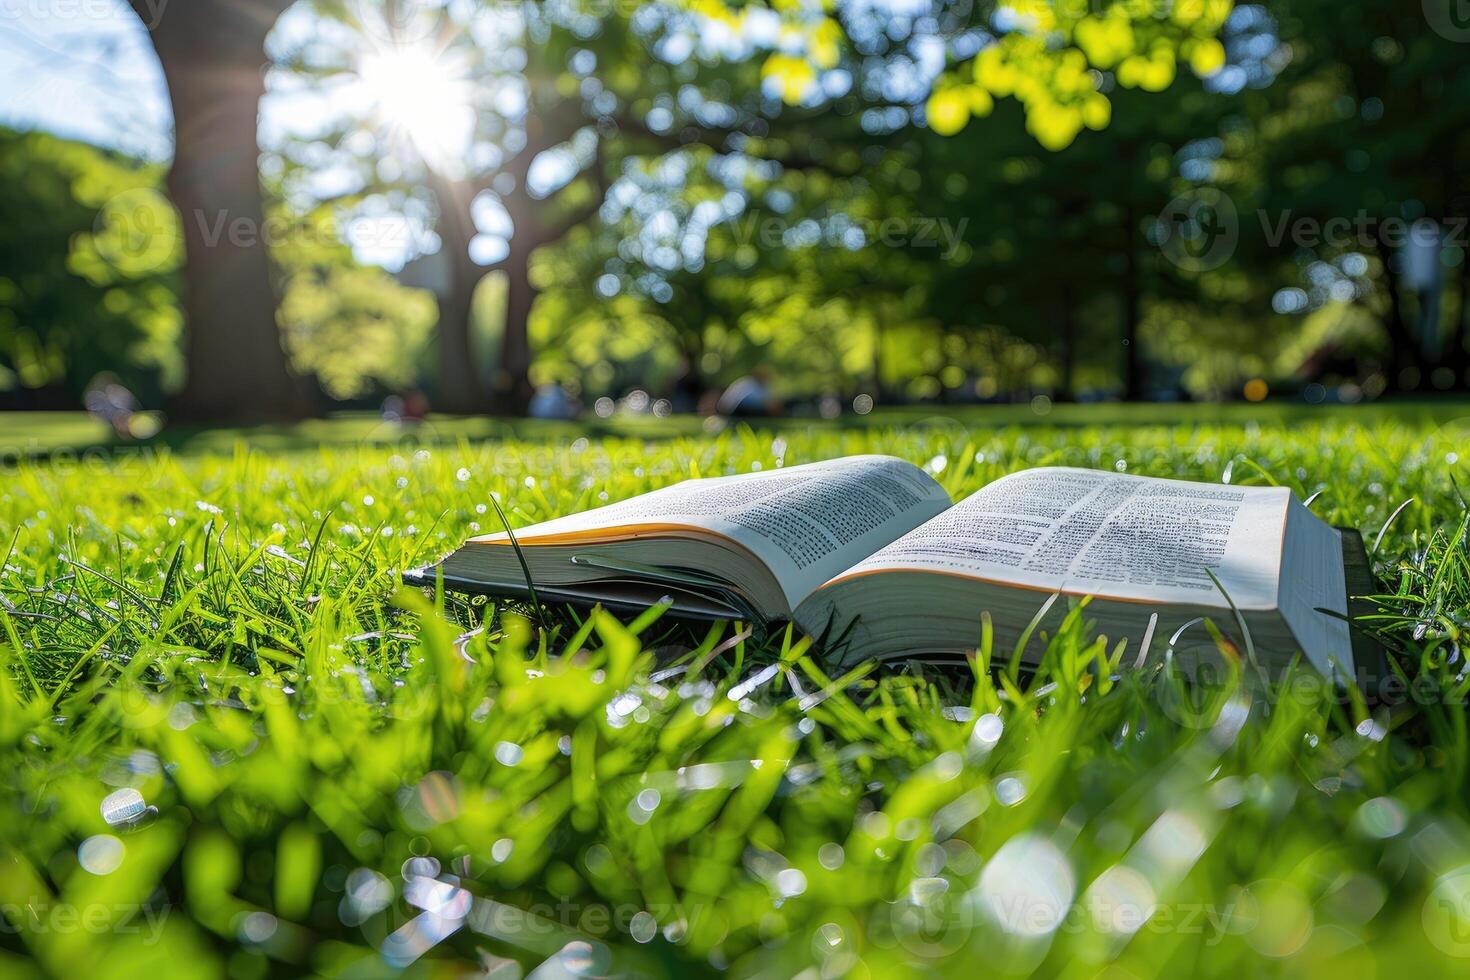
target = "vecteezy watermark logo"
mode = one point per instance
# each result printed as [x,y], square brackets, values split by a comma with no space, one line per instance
[917,232]
[931,922]
[150,12]
[1446,913]
[137,231]
[42,916]
[1450,19]
[1198,230]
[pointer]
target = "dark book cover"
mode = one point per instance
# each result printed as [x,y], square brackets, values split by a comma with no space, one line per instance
[1369,657]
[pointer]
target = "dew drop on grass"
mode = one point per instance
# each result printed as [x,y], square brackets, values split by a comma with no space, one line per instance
[257,927]
[509,753]
[641,807]
[621,707]
[101,854]
[1371,730]
[831,855]
[827,938]
[123,806]
[366,894]
[946,766]
[1118,898]
[987,732]
[1030,874]
[927,891]
[583,958]
[877,825]
[501,850]
[420,867]
[931,859]
[181,716]
[790,882]
[643,927]
[1382,817]
[1010,790]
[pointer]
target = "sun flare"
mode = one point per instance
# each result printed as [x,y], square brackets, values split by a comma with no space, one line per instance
[423,94]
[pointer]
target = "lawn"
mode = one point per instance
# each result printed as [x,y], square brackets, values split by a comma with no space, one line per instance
[232,745]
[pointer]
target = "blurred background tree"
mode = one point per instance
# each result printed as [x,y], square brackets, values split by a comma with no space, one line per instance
[89,253]
[211,52]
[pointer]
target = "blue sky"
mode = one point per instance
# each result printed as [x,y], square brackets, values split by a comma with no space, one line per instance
[85,69]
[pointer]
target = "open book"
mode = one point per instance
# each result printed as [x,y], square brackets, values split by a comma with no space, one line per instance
[870,549]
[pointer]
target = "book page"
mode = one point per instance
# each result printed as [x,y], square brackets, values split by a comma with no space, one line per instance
[1097,533]
[806,523]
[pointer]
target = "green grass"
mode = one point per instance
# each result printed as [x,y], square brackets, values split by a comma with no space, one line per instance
[323,756]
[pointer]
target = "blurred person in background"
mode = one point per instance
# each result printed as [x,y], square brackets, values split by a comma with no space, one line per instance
[686,391]
[107,399]
[750,396]
[552,401]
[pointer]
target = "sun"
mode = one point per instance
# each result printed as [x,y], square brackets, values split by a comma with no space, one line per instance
[425,95]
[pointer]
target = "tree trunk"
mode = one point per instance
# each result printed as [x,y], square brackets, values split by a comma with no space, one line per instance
[460,389]
[213,59]
[511,391]
[879,392]
[1067,345]
[1135,382]
[1403,350]
[1457,356]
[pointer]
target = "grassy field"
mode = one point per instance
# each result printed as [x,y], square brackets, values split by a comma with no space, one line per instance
[231,745]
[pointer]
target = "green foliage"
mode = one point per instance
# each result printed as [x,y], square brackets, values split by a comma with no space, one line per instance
[89,252]
[326,755]
[353,327]
[1051,55]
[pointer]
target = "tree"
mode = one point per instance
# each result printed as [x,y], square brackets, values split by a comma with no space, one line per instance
[1368,132]
[213,53]
[526,85]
